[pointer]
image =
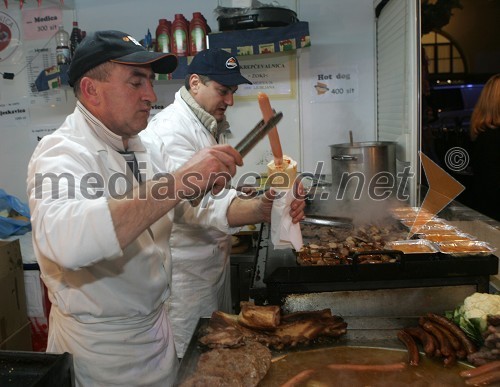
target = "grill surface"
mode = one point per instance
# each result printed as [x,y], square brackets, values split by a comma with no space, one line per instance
[277,274]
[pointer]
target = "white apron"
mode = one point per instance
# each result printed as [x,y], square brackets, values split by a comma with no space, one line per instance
[144,361]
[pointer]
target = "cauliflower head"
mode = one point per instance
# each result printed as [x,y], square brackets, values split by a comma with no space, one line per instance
[480,305]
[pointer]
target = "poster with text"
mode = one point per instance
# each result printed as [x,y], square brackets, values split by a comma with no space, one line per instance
[271,74]
[334,84]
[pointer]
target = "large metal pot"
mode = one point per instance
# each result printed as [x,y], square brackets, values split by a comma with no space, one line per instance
[363,170]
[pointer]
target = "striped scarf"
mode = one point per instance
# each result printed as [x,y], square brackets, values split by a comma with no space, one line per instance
[207,120]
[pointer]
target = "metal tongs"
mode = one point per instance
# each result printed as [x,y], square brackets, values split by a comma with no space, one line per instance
[249,141]
[257,133]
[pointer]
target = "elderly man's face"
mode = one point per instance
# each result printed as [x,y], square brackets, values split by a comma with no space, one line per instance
[125,99]
[213,97]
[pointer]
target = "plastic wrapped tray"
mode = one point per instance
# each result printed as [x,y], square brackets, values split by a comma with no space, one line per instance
[438,228]
[423,222]
[447,237]
[404,213]
[462,248]
[413,246]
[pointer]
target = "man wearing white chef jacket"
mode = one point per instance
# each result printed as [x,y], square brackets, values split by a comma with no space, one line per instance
[100,197]
[196,120]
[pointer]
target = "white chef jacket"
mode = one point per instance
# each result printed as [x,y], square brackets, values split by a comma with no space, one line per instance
[107,303]
[201,262]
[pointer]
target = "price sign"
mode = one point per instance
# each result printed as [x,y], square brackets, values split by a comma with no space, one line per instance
[41,23]
[334,84]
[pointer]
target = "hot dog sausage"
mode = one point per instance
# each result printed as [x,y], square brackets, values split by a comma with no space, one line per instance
[367,367]
[484,379]
[267,113]
[444,345]
[494,365]
[297,379]
[455,343]
[468,345]
[425,338]
[407,340]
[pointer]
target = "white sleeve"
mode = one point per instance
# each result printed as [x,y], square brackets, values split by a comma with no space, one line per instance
[211,212]
[68,228]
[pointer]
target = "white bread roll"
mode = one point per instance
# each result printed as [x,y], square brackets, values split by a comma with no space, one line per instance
[282,176]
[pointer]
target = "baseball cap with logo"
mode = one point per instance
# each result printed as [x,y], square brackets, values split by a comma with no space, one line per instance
[218,65]
[118,47]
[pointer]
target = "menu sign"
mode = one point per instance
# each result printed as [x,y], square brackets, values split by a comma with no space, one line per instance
[334,84]
[41,23]
[271,74]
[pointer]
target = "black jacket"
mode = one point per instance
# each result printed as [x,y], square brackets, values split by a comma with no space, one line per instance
[485,161]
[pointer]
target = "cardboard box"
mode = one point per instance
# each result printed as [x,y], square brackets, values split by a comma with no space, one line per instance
[19,341]
[13,313]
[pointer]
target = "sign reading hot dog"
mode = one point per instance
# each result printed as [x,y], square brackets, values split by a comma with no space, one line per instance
[334,84]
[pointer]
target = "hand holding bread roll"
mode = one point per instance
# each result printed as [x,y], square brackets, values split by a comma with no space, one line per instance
[282,172]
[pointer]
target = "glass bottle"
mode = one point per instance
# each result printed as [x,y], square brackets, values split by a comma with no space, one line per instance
[63,54]
[75,38]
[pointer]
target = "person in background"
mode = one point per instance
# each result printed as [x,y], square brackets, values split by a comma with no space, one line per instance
[201,255]
[485,157]
[101,197]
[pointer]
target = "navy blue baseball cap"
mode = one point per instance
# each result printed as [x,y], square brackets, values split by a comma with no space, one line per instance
[118,47]
[218,65]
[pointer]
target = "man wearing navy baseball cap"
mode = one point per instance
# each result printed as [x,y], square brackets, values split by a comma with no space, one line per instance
[118,47]
[219,66]
[196,120]
[101,222]
[102,197]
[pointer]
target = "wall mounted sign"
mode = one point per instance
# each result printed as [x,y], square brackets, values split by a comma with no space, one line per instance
[10,36]
[271,74]
[14,114]
[41,23]
[334,84]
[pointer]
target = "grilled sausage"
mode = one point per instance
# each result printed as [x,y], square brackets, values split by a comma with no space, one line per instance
[425,338]
[468,345]
[411,346]
[299,378]
[494,365]
[484,379]
[450,359]
[444,345]
[454,342]
[367,367]
[437,352]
